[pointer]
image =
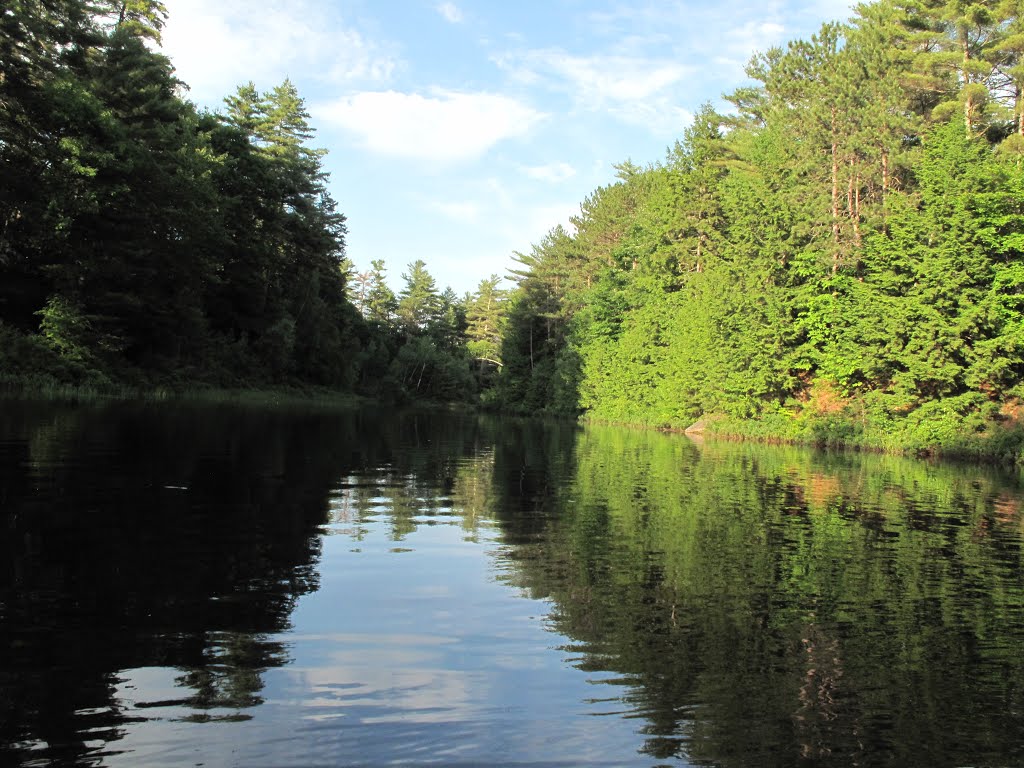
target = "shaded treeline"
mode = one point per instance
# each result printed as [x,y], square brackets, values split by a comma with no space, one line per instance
[837,256]
[141,240]
[146,243]
[423,343]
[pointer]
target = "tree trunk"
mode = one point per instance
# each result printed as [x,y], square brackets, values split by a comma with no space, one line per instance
[1018,109]
[835,194]
[853,200]
[849,190]
[969,101]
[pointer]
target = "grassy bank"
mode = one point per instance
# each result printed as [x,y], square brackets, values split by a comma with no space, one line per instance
[970,426]
[965,427]
[44,388]
[31,367]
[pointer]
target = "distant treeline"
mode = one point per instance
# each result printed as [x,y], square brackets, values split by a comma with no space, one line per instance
[836,257]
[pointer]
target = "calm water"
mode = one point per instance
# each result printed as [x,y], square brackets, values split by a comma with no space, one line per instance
[195,585]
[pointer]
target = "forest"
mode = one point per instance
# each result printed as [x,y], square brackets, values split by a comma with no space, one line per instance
[833,255]
[146,244]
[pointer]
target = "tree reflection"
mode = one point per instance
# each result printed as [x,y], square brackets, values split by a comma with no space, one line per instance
[751,605]
[151,537]
[775,607]
[182,537]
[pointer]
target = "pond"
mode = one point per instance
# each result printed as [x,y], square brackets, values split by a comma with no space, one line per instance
[187,584]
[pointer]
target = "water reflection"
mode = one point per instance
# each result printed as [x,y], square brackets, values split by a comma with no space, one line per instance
[142,538]
[191,584]
[776,607]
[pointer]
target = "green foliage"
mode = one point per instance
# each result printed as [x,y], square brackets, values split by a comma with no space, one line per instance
[148,243]
[419,304]
[381,303]
[485,319]
[415,347]
[65,329]
[143,18]
[855,228]
[28,361]
[424,371]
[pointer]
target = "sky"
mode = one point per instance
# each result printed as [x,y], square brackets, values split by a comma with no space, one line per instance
[462,131]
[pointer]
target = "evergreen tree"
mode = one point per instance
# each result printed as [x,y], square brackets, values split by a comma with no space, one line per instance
[146,241]
[849,241]
[381,303]
[485,318]
[141,18]
[419,303]
[144,265]
[47,113]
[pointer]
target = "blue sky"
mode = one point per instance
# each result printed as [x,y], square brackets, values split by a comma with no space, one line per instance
[462,131]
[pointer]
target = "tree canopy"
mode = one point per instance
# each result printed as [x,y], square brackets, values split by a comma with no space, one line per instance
[835,256]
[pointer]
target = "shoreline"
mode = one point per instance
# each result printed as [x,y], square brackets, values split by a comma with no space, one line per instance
[1001,444]
[998,442]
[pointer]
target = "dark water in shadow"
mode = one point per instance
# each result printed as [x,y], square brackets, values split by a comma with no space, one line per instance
[185,585]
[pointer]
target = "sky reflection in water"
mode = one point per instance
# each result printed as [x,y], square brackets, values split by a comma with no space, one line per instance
[417,655]
[188,585]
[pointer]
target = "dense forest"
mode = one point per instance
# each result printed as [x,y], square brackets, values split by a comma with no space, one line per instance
[835,256]
[145,243]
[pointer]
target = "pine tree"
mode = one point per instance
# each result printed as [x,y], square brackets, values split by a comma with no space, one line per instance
[141,18]
[47,112]
[381,303]
[485,320]
[419,303]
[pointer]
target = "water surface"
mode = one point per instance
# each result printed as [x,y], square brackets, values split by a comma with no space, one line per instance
[188,584]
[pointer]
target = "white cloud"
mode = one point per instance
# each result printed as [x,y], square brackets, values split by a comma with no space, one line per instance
[660,116]
[725,33]
[597,80]
[450,12]
[755,36]
[537,221]
[217,46]
[513,225]
[635,90]
[732,50]
[445,126]
[461,211]
[552,172]
[829,10]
